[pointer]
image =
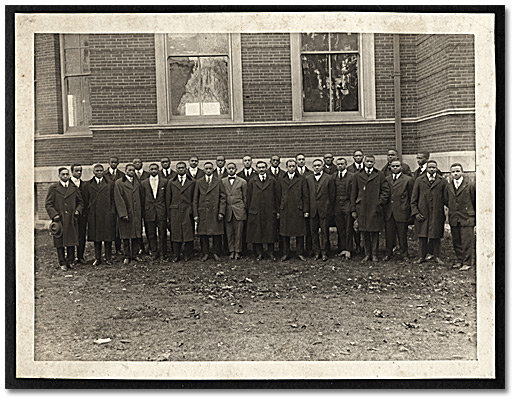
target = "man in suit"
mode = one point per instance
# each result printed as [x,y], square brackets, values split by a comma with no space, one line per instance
[322,194]
[294,208]
[275,171]
[329,166]
[428,209]
[370,193]
[113,174]
[342,208]
[127,198]
[302,170]
[77,171]
[179,201]
[153,197]
[193,170]
[392,155]
[166,170]
[209,208]
[357,165]
[248,172]
[64,204]
[460,197]
[422,159]
[236,202]
[101,208]
[397,210]
[262,211]
[220,170]
[140,173]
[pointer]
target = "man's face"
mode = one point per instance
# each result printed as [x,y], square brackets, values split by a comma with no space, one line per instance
[317,166]
[98,172]
[456,172]
[431,168]
[261,168]
[369,162]
[130,171]
[165,163]
[291,167]
[138,163]
[154,170]
[232,169]
[300,160]
[275,161]
[342,164]
[76,173]
[221,161]
[328,158]
[113,163]
[358,157]
[421,159]
[64,175]
[395,167]
[194,162]
[391,155]
[208,169]
[181,168]
[247,161]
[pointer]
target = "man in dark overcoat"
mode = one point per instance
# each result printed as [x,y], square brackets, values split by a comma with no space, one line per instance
[460,197]
[370,193]
[262,211]
[428,209]
[275,171]
[247,173]
[140,173]
[355,167]
[302,170]
[166,169]
[113,174]
[209,208]
[101,209]
[64,204]
[179,203]
[392,155]
[194,171]
[153,199]
[397,210]
[127,197]
[76,172]
[294,208]
[342,208]
[329,167]
[322,194]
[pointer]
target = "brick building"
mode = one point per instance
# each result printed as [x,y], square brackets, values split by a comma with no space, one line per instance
[155,95]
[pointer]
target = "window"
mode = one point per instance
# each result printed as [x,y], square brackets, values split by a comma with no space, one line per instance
[198,78]
[75,68]
[333,76]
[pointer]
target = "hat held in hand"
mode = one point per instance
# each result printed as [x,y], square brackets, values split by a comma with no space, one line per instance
[56,229]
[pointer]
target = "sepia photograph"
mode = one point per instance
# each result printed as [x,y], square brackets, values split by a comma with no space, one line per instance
[255,195]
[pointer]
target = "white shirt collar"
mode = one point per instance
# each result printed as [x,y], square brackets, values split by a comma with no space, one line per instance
[98,180]
[291,175]
[129,178]
[359,166]
[396,175]
[431,176]
[76,181]
[458,182]
[274,170]
[343,172]
[152,178]
[193,170]
[65,184]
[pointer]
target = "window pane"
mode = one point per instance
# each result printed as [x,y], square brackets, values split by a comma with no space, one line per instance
[78,103]
[182,44]
[214,85]
[70,41]
[315,72]
[315,42]
[345,78]
[72,61]
[213,43]
[344,42]
[184,85]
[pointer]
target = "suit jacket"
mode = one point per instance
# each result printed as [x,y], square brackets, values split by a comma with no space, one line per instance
[200,174]
[294,202]
[278,176]
[306,171]
[343,193]
[101,209]
[262,207]
[154,208]
[209,200]
[322,195]
[352,168]
[127,197]
[405,169]
[242,174]
[417,173]
[179,209]
[398,204]
[333,169]
[428,200]
[144,176]
[64,202]
[370,194]
[224,174]
[172,174]
[461,203]
[118,174]
[236,198]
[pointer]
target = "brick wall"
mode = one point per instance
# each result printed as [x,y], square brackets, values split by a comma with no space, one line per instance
[123,79]
[384,65]
[447,133]
[55,152]
[266,77]
[48,84]
[408,62]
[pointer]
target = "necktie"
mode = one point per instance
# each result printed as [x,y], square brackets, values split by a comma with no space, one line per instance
[395,177]
[207,179]
[181,180]
[66,185]
[262,178]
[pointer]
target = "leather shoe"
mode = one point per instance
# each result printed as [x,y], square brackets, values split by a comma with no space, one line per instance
[272,257]
[284,258]
[237,256]
[348,255]
[439,261]
[302,258]
[175,259]
[81,261]
[419,261]
[465,268]
[342,253]
[316,257]
[96,263]
[64,267]
[204,258]
[386,258]
[216,257]
[232,255]
[324,257]
[259,257]
[429,257]
[108,262]
[186,258]
[126,261]
[456,265]
[374,259]
[138,259]
[365,259]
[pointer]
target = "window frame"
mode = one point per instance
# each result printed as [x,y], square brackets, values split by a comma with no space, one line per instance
[366,79]
[65,105]
[164,117]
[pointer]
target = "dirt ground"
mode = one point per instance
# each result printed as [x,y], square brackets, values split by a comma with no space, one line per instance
[243,310]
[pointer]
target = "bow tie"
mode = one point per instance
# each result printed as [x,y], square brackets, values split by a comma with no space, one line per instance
[232,177]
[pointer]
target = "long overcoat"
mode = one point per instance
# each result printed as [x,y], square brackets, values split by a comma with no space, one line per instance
[428,200]
[400,195]
[101,209]
[370,194]
[64,201]
[208,201]
[461,203]
[262,207]
[179,203]
[127,197]
[236,198]
[294,202]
